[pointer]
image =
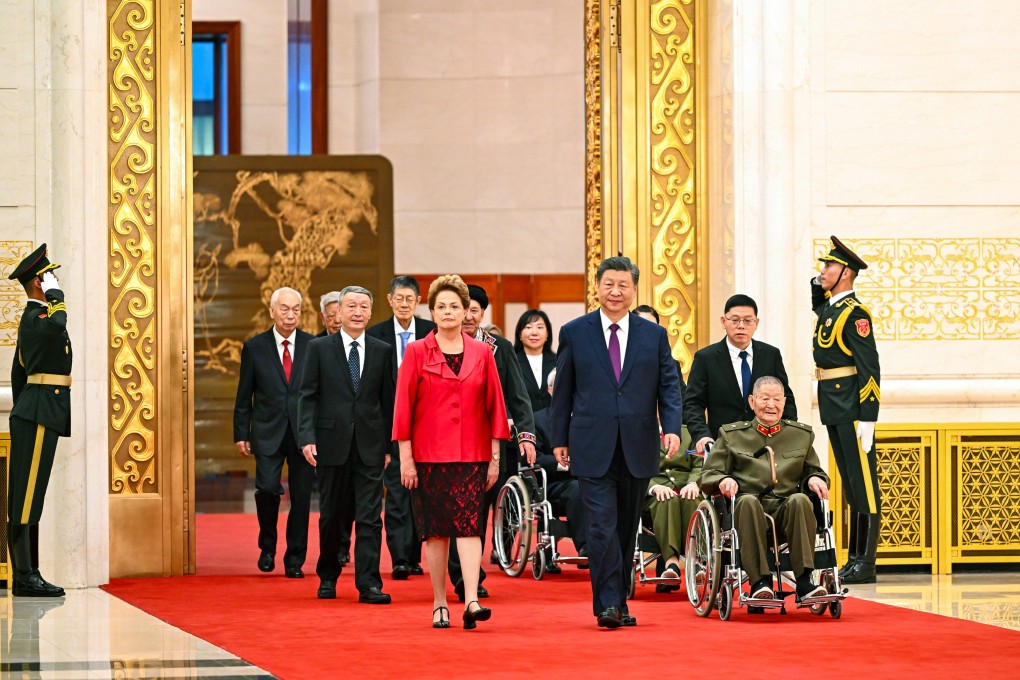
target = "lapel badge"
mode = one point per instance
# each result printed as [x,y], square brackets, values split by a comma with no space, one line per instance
[828,322]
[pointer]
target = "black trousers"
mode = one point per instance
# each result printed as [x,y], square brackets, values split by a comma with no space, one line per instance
[31,461]
[269,490]
[565,495]
[858,469]
[337,483]
[346,525]
[612,509]
[401,537]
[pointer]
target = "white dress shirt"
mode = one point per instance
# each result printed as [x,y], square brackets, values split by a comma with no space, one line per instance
[735,360]
[839,296]
[535,360]
[621,334]
[348,341]
[279,344]
[397,330]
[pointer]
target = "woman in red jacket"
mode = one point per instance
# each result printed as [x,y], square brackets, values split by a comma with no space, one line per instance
[449,419]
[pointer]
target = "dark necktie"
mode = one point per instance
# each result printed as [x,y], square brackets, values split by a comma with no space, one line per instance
[614,350]
[404,336]
[354,364]
[745,374]
[288,363]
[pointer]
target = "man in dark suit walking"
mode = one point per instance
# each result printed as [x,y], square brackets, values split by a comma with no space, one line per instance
[265,424]
[614,374]
[399,331]
[723,374]
[345,419]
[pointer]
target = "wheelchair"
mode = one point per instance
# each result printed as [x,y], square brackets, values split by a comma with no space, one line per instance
[646,554]
[713,576]
[523,512]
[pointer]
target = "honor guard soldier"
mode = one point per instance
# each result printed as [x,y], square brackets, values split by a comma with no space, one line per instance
[848,375]
[41,382]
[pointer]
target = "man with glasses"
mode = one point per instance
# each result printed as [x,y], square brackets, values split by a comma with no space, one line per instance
[399,331]
[723,374]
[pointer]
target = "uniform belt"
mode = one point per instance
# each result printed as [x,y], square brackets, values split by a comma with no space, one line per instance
[830,373]
[49,379]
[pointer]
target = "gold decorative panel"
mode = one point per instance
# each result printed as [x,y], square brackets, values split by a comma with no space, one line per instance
[984,495]
[592,145]
[673,180]
[645,141]
[940,289]
[12,294]
[906,478]
[132,264]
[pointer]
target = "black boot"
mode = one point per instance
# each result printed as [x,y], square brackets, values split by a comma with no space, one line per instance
[863,571]
[852,547]
[26,580]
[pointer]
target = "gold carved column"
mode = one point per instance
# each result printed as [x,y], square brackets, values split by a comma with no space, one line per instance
[150,295]
[646,148]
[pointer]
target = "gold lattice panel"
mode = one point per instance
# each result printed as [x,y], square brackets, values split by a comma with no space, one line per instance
[12,295]
[907,482]
[5,452]
[984,490]
[940,289]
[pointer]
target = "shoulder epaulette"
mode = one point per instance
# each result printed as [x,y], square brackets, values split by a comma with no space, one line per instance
[795,423]
[736,426]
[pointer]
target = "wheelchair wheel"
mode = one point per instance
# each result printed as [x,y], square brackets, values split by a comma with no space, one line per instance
[703,564]
[632,582]
[836,609]
[725,603]
[818,609]
[512,526]
[538,565]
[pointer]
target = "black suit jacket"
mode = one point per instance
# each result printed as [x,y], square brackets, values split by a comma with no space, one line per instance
[332,415]
[266,403]
[713,385]
[538,393]
[385,331]
[543,447]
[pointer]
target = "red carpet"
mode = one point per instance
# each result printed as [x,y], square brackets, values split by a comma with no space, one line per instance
[544,628]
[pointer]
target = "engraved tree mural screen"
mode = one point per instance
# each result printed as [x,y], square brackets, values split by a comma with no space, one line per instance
[315,224]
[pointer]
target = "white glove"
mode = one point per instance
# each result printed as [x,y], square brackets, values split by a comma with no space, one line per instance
[49,282]
[866,433]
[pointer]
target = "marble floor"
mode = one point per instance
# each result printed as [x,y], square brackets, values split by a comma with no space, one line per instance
[91,634]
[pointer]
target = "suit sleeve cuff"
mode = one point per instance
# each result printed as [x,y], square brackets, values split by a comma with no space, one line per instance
[525,437]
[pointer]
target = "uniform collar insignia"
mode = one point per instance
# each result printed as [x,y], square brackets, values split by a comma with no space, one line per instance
[768,431]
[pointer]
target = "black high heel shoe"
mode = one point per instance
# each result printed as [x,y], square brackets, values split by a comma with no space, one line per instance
[444,621]
[480,614]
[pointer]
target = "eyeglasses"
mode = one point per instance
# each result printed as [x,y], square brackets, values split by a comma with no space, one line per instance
[404,298]
[738,322]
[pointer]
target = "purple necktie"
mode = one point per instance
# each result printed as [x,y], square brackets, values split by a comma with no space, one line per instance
[614,350]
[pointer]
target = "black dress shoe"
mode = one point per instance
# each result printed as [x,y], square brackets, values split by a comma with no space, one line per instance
[860,572]
[444,617]
[493,558]
[458,588]
[401,571]
[34,585]
[666,588]
[345,559]
[553,568]
[629,621]
[416,570]
[266,561]
[327,590]
[610,618]
[482,592]
[374,596]
[294,572]
[471,616]
[583,552]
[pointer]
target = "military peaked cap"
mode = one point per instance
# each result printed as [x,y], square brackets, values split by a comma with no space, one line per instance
[36,264]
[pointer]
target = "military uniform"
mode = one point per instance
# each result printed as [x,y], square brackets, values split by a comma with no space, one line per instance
[849,379]
[41,383]
[671,517]
[734,456]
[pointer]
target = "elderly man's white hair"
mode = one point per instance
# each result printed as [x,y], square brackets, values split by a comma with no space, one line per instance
[276,295]
[551,379]
[328,299]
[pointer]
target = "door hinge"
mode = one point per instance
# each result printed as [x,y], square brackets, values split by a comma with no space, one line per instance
[184,370]
[184,28]
[614,25]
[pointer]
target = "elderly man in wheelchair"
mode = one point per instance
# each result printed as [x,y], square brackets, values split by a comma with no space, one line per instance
[763,468]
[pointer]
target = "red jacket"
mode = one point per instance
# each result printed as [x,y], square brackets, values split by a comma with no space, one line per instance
[449,418]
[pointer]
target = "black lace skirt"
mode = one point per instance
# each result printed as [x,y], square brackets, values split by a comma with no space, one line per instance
[448,500]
